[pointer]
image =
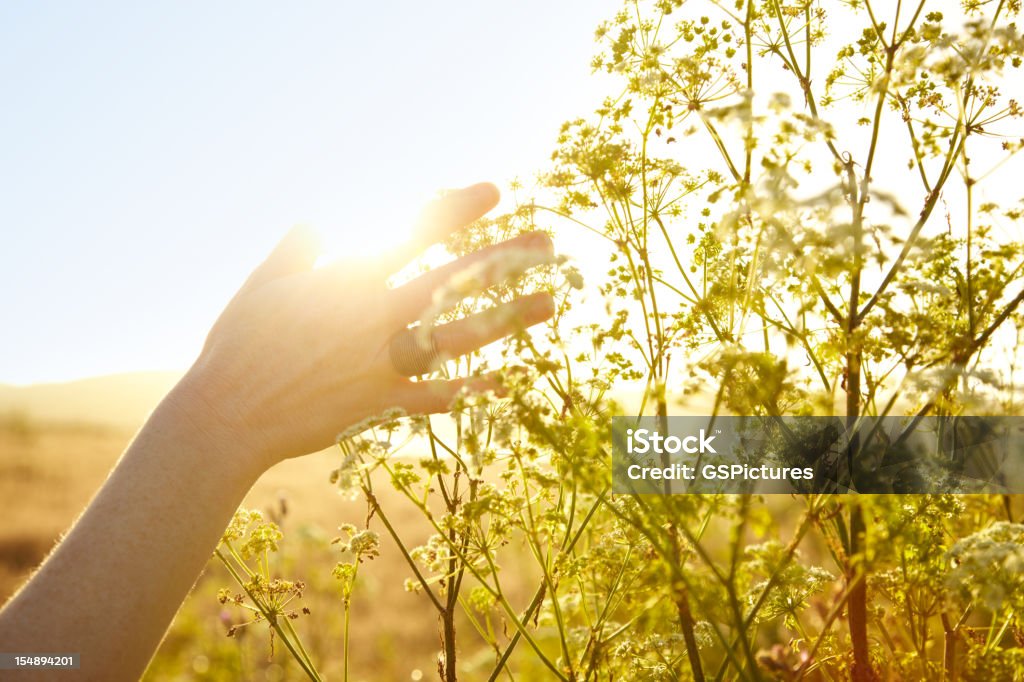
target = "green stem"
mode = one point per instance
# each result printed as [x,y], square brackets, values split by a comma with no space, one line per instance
[306,666]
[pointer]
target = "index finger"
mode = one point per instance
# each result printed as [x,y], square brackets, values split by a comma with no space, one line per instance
[441,217]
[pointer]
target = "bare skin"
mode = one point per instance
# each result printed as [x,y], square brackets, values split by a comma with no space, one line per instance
[298,355]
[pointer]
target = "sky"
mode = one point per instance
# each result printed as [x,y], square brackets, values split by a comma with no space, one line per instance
[153,153]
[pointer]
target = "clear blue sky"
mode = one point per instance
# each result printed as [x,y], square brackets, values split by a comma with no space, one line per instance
[153,152]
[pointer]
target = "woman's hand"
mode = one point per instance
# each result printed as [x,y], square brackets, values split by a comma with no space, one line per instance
[301,354]
[298,356]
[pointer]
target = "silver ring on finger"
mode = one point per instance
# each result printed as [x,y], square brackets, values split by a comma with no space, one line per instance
[413,352]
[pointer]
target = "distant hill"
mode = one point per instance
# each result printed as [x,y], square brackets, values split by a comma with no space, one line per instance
[120,401]
[123,401]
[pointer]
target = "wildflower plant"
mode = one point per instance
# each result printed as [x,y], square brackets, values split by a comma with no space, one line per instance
[779,209]
[360,546]
[245,550]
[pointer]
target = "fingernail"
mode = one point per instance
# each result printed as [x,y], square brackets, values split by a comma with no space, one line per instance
[539,241]
[543,306]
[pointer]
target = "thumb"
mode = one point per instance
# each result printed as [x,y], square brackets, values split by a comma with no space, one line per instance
[296,252]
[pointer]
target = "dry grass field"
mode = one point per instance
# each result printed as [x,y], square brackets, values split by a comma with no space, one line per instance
[48,472]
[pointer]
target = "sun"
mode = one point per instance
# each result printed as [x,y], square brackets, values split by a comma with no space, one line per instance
[363,232]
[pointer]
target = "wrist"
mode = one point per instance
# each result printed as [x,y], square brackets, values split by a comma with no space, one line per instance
[196,416]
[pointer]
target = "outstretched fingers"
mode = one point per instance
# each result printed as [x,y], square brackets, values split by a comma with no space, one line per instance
[418,351]
[470,275]
[473,332]
[429,397]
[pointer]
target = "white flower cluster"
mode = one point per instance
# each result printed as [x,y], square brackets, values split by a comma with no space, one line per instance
[988,566]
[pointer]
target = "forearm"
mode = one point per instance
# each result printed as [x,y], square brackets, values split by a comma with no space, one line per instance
[112,586]
[299,355]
